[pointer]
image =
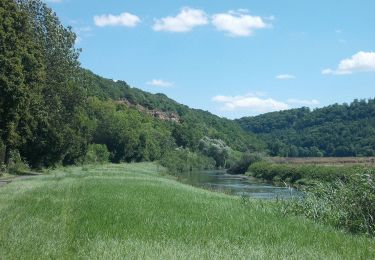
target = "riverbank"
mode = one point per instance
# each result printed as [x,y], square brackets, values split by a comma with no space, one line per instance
[134,211]
[301,174]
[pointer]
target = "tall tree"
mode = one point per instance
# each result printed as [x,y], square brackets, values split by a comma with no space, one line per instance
[63,129]
[21,71]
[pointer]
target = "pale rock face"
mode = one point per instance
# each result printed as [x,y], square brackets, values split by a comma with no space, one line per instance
[166,116]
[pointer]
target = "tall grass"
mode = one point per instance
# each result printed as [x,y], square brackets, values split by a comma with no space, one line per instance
[341,196]
[348,204]
[132,212]
[302,174]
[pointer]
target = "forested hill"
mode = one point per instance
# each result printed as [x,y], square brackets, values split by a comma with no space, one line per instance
[336,130]
[52,111]
[193,124]
[105,89]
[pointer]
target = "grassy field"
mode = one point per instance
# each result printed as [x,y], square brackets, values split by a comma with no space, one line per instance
[132,211]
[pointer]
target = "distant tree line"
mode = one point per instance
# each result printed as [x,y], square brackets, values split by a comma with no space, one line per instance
[336,130]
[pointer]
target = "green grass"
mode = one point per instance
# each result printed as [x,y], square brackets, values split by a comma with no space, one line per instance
[305,174]
[131,211]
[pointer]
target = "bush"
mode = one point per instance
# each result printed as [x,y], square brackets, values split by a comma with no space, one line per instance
[243,164]
[97,153]
[216,149]
[182,160]
[345,204]
[2,168]
[16,165]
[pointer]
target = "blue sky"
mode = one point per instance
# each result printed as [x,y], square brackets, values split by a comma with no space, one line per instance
[234,58]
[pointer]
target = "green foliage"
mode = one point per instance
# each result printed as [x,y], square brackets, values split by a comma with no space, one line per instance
[51,109]
[215,148]
[301,174]
[41,106]
[15,164]
[128,134]
[336,130]
[97,153]
[20,75]
[194,123]
[182,160]
[345,204]
[242,165]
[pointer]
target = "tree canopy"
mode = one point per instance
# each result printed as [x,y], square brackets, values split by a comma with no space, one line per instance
[336,130]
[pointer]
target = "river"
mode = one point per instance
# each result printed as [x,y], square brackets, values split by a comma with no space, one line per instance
[239,185]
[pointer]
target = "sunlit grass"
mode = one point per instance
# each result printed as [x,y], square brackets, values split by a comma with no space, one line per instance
[132,211]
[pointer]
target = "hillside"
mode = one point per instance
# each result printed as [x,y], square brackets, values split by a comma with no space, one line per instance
[158,104]
[336,130]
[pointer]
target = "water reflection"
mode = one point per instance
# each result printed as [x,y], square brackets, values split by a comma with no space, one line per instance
[237,185]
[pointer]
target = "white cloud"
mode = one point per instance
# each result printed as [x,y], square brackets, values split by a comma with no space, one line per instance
[124,19]
[250,102]
[361,61]
[303,102]
[238,23]
[285,76]
[160,83]
[185,21]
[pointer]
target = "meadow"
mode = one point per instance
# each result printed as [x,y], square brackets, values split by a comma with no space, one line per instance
[137,211]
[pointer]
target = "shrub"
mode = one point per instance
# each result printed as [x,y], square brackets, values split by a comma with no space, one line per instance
[347,204]
[216,149]
[97,153]
[16,165]
[243,164]
[233,158]
[182,160]
[2,168]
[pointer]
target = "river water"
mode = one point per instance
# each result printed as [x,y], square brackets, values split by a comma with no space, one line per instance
[238,185]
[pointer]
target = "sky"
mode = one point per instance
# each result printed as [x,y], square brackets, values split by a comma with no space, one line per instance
[233,58]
